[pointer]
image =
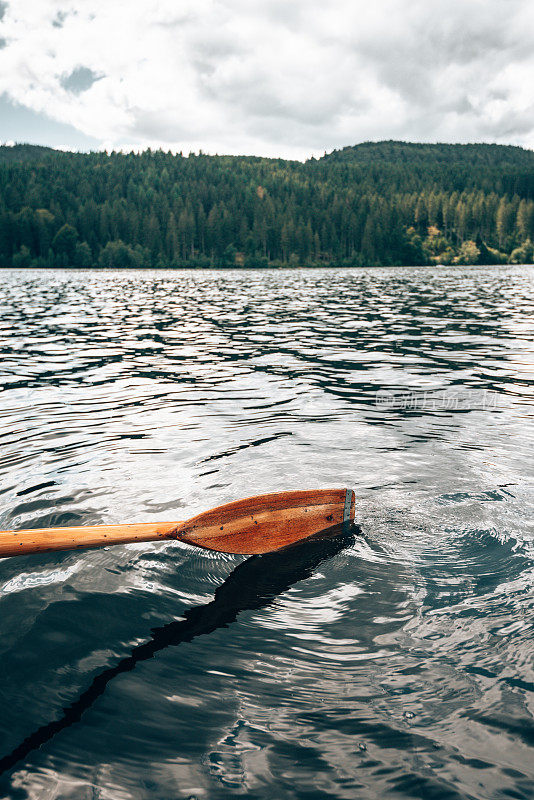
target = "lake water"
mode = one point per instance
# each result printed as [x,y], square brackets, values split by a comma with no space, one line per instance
[397,662]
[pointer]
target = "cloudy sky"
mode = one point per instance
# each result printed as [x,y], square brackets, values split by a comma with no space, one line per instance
[269,77]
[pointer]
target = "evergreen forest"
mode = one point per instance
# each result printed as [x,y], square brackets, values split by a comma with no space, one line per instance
[377,203]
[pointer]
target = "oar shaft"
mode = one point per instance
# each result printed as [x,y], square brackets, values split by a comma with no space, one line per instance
[39,540]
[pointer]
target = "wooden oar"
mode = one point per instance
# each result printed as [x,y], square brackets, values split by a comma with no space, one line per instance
[255,525]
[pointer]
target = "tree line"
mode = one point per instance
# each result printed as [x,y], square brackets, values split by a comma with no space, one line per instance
[386,203]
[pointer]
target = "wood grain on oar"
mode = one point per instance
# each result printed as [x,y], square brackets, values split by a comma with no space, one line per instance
[40,540]
[267,522]
[255,525]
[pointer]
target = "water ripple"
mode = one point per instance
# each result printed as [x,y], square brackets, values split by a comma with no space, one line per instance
[395,663]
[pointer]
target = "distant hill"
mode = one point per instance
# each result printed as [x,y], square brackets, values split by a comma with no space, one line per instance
[24,152]
[376,203]
[407,166]
[400,153]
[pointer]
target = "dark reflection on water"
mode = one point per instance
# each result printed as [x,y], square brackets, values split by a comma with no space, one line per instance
[252,585]
[397,665]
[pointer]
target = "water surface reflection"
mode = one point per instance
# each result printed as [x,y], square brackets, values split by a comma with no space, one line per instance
[399,664]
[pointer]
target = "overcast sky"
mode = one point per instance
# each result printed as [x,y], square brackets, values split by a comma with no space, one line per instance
[269,77]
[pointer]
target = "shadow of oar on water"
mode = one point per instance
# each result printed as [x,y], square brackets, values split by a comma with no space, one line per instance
[252,585]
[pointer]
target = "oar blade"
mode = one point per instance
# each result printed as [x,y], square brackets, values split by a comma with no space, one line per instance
[268,522]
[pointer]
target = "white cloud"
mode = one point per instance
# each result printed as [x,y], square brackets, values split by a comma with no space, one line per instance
[274,77]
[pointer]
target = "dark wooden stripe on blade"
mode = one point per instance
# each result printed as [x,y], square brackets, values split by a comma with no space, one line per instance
[269,502]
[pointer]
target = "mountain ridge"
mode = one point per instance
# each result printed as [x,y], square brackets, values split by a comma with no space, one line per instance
[376,203]
[385,150]
[438,152]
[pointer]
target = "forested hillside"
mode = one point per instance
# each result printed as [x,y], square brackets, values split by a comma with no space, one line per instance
[383,203]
